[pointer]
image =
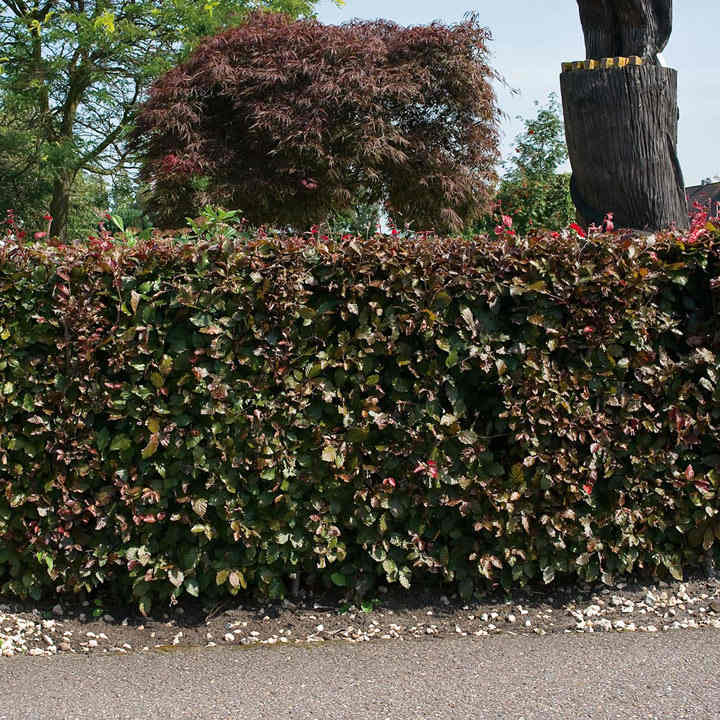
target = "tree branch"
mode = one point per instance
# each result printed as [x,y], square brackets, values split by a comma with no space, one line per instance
[112,136]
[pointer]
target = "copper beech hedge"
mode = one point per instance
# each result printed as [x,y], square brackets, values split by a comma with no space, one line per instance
[225,416]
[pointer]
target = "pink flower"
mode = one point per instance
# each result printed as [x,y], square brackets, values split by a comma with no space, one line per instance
[39,235]
[608,223]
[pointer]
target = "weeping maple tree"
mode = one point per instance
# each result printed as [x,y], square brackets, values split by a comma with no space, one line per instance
[290,121]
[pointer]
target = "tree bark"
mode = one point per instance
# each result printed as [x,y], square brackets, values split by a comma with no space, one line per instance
[60,206]
[621,131]
[621,28]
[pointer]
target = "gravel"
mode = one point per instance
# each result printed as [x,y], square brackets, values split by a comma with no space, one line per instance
[626,608]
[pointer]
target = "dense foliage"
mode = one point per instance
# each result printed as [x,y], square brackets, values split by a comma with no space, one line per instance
[292,121]
[205,417]
[533,191]
[80,67]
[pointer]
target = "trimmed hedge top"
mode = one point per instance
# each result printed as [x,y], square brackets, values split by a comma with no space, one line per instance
[210,417]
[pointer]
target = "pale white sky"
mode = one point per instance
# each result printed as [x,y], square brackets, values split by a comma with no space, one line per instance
[531,39]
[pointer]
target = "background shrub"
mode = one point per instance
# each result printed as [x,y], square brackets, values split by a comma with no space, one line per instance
[292,121]
[532,191]
[204,418]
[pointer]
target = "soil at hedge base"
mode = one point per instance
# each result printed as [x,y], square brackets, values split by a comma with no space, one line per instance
[94,627]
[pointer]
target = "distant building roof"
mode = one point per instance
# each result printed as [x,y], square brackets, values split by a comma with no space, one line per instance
[708,194]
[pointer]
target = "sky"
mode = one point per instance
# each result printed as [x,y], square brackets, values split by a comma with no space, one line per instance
[532,38]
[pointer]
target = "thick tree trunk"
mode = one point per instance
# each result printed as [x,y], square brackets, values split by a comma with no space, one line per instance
[621,131]
[621,28]
[60,206]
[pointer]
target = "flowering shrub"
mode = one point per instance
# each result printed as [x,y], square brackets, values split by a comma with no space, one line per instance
[216,417]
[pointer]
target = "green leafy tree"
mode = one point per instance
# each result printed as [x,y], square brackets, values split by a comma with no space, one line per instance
[532,191]
[82,66]
[24,188]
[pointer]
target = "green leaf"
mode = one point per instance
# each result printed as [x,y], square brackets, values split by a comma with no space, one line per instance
[46,558]
[121,442]
[329,454]
[339,579]
[548,574]
[166,365]
[102,438]
[674,567]
[192,587]
[151,448]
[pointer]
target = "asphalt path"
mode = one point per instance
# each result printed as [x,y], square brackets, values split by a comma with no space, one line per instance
[637,676]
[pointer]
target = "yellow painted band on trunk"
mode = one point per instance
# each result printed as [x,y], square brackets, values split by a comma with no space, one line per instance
[603,63]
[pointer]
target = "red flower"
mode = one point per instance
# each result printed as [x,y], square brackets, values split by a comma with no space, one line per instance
[588,488]
[578,229]
[588,330]
[47,217]
[389,482]
[39,235]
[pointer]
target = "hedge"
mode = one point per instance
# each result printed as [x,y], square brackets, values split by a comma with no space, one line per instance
[228,416]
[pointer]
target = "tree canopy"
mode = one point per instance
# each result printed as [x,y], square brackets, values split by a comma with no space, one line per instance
[291,120]
[82,66]
[532,190]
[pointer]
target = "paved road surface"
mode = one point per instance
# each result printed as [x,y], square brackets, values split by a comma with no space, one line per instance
[671,676]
